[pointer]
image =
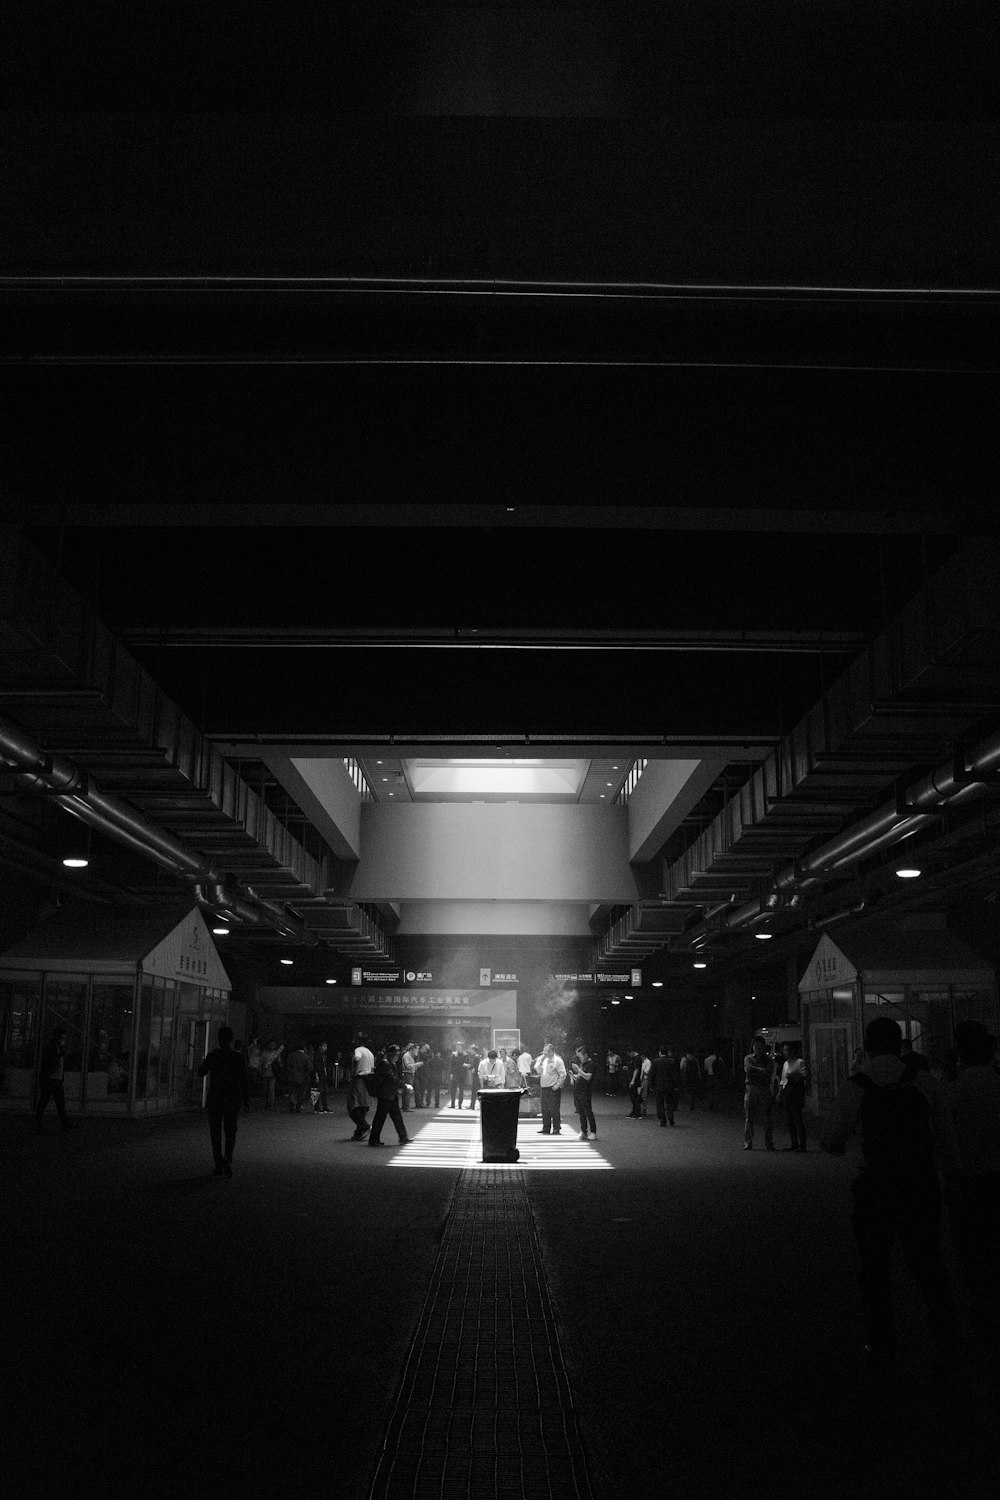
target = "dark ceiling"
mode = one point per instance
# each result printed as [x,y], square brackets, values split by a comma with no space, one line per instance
[657,323]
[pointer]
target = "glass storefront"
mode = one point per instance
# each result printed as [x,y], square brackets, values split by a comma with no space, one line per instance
[109,1059]
[20,1020]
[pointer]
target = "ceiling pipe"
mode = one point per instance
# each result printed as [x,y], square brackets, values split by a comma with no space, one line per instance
[71,788]
[951,784]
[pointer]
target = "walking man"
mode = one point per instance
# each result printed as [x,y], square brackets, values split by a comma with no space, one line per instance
[551,1072]
[50,1083]
[358,1097]
[228,1088]
[385,1085]
[887,1128]
[663,1081]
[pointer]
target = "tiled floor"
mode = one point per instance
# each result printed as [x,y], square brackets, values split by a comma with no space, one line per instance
[453,1137]
[484,1406]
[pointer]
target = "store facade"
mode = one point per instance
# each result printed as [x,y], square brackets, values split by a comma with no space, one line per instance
[928,981]
[140,994]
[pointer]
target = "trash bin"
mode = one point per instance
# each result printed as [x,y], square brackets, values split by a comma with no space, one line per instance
[498,1109]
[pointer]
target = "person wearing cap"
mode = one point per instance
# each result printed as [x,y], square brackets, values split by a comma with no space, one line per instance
[384,1085]
[50,1083]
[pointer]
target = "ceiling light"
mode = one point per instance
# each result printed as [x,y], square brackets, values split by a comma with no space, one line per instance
[629,997]
[288,961]
[614,768]
[657,984]
[905,872]
[220,931]
[385,778]
[76,862]
[602,797]
[701,964]
[616,1002]
[392,794]
[378,762]
[763,937]
[607,783]
[331,981]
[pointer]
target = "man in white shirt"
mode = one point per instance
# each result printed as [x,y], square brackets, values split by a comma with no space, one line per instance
[358,1097]
[551,1072]
[492,1074]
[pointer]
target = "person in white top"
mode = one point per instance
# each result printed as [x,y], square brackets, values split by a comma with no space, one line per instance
[551,1072]
[358,1097]
[792,1094]
[492,1074]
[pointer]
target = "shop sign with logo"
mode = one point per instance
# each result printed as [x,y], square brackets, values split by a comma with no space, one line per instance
[413,976]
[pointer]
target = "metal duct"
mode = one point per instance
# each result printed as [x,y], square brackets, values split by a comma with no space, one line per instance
[71,788]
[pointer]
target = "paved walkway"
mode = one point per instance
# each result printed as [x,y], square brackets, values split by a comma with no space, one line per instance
[654,1311]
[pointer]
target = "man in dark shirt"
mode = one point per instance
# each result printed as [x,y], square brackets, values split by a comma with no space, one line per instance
[664,1083]
[228,1088]
[50,1083]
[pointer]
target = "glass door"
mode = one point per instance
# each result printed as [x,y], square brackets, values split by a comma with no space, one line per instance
[830,1048]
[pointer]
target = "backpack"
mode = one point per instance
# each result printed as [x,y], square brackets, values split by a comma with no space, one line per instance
[896,1138]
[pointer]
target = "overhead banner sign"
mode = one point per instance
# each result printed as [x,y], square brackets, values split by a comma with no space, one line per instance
[494,976]
[600,977]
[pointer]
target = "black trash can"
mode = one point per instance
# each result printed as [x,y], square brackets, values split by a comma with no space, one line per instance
[498,1109]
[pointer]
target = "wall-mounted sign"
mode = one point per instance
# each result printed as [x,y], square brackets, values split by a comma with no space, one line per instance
[574,978]
[509,1038]
[379,976]
[603,978]
[484,978]
[504,978]
[636,980]
[412,977]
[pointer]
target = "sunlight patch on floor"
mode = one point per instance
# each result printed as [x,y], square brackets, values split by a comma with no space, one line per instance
[448,1138]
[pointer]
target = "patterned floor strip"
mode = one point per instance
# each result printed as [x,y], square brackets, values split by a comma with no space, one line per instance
[484,1407]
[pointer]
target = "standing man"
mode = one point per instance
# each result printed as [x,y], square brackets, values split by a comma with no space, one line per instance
[50,1083]
[408,1066]
[228,1088]
[358,1097]
[456,1072]
[322,1067]
[270,1062]
[582,1077]
[691,1074]
[758,1102]
[663,1081]
[551,1072]
[792,1094]
[713,1078]
[887,1127]
[492,1074]
[299,1075]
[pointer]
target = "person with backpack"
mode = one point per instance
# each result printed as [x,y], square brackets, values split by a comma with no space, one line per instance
[887,1127]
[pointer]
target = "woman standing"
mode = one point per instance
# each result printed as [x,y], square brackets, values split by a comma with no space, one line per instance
[581,1073]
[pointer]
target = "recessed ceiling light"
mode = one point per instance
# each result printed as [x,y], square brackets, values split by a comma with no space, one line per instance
[331,981]
[905,872]
[602,797]
[763,937]
[76,862]
[220,931]
[378,762]
[288,961]
[392,794]
[616,1002]
[701,965]
[607,783]
[385,778]
[629,997]
[657,984]
[614,768]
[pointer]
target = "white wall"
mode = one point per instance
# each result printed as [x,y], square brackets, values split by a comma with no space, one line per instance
[495,918]
[505,851]
[326,794]
[663,796]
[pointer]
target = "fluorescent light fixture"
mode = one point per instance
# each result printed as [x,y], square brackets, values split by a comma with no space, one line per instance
[701,964]
[905,872]
[763,937]
[76,862]
[220,931]
[288,961]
